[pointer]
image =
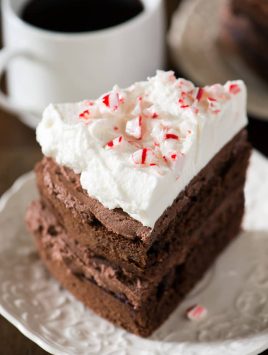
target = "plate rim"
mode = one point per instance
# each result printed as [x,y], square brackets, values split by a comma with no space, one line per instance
[18,184]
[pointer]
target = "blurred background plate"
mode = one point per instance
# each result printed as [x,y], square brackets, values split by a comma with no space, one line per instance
[195,49]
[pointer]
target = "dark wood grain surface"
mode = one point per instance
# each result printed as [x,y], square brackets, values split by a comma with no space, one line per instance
[18,154]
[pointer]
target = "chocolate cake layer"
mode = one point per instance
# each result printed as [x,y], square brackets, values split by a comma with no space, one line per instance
[135,289]
[101,288]
[90,224]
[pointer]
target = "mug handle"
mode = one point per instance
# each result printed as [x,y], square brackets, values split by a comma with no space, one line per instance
[6,55]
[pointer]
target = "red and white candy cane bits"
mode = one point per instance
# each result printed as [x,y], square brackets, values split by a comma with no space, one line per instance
[134,127]
[114,143]
[196,312]
[144,157]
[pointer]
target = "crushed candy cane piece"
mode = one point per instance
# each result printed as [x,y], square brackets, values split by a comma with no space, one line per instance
[85,115]
[106,100]
[144,157]
[137,111]
[196,312]
[199,94]
[214,105]
[134,127]
[186,99]
[234,89]
[112,100]
[113,143]
[171,136]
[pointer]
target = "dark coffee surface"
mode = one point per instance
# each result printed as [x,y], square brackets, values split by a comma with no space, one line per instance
[79,15]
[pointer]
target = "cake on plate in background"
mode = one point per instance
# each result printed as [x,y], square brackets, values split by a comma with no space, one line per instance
[140,191]
[245,27]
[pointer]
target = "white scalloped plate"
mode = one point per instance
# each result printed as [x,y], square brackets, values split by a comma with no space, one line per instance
[193,40]
[235,291]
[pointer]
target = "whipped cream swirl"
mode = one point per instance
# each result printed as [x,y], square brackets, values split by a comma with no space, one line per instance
[137,148]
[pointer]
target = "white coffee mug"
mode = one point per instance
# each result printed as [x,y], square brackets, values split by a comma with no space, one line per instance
[45,66]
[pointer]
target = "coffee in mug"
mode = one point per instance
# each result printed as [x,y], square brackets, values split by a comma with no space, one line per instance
[79,15]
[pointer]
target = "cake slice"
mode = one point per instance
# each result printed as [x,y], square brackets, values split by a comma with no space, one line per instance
[140,191]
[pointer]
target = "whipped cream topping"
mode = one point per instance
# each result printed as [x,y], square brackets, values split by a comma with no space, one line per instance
[137,148]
